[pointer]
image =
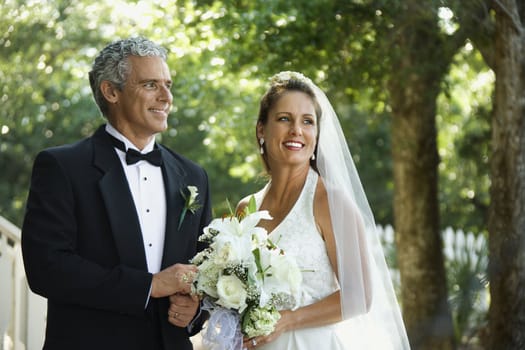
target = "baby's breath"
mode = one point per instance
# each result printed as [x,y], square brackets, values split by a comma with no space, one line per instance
[284,77]
[201,256]
[282,301]
[238,270]
[208,235]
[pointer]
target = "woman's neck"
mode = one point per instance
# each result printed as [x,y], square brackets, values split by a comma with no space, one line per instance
[287,181]
[283,192]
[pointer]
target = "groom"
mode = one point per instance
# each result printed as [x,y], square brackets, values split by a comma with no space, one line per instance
[104,237]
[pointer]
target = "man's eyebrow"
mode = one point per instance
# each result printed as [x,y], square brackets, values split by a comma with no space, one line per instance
[147,80]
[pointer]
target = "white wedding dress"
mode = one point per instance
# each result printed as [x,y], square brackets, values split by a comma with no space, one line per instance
[298,236]
[372,318]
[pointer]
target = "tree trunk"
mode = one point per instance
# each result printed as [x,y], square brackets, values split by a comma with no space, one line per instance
[507,211]
[414,87]
[424,286]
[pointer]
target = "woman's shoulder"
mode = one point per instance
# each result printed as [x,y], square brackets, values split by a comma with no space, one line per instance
[257,197]
[321,195]
[321,207]
[243,203]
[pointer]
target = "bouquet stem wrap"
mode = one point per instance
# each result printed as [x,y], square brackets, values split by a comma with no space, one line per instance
[223,331]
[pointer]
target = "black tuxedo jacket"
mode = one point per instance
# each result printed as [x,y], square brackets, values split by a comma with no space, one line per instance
[83,249]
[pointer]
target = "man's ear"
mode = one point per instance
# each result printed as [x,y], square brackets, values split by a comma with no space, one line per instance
[109,90]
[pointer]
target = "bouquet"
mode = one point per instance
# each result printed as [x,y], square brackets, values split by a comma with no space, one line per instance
[244,279]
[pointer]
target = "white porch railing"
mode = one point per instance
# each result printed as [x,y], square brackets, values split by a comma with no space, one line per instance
[22,313]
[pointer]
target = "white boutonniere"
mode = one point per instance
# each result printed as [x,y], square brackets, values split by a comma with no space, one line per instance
[190,202]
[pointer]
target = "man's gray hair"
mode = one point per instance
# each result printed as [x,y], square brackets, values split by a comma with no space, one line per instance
[112,64]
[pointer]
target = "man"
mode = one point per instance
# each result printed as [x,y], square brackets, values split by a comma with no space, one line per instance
[107,235]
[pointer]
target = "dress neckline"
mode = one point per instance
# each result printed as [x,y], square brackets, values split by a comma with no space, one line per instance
[309,177]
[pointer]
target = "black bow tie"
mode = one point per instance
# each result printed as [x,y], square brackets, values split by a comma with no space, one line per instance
[133,156]
[154,157]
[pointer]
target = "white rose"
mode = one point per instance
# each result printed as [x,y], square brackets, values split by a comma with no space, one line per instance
[207,278]
[232,293]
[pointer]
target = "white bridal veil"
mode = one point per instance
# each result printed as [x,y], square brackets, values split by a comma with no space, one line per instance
[372,317]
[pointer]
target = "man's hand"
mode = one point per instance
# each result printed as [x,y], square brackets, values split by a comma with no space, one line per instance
[177,278]
[183,308]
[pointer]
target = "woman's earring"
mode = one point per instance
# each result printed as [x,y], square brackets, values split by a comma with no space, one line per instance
[261,142]
[313,156]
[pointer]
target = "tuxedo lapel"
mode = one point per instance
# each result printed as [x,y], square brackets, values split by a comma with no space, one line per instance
[119,203]
[174,179]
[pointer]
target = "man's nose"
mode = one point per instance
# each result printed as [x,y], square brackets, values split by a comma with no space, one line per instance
[166,94]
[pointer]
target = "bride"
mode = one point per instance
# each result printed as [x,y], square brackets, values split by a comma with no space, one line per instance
[322,218]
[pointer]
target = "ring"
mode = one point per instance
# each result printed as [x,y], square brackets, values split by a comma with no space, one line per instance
[254,342]
[187,277]
[175,315]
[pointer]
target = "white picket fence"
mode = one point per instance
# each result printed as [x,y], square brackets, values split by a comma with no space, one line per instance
[23,313]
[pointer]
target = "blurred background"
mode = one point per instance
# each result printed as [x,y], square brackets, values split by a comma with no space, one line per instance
[414,83]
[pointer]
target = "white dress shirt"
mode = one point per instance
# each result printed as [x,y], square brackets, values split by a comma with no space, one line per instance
[147,188]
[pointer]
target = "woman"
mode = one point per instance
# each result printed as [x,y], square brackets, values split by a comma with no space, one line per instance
[322,218]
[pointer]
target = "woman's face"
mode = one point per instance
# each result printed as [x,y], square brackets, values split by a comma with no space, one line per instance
[291,130]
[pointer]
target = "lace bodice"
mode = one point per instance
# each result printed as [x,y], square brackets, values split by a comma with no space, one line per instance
[299,237]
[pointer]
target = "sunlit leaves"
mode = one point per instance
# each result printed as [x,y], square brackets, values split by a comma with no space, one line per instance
[221,54]
[464,123]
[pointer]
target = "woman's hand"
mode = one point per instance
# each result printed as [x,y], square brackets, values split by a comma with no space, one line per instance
[281,326]
[325,311]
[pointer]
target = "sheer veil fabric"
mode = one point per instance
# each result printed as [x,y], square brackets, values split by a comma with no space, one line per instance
[372,317]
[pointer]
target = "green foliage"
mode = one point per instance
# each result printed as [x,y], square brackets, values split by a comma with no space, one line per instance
[464,124]
[43,101]
[221,55]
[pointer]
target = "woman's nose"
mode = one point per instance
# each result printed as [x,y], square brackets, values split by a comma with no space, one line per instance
[296,129]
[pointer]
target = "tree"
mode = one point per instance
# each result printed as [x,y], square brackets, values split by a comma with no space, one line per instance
[44,103]
[221,55]
[507,210]
[47,49]
[498,32]
[414,85]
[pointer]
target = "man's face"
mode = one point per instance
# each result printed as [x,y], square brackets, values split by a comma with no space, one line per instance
[141,108]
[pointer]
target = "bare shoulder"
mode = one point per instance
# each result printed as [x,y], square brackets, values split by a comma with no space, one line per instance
[320,191]
[321,196]
[324,221]
[322,209]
